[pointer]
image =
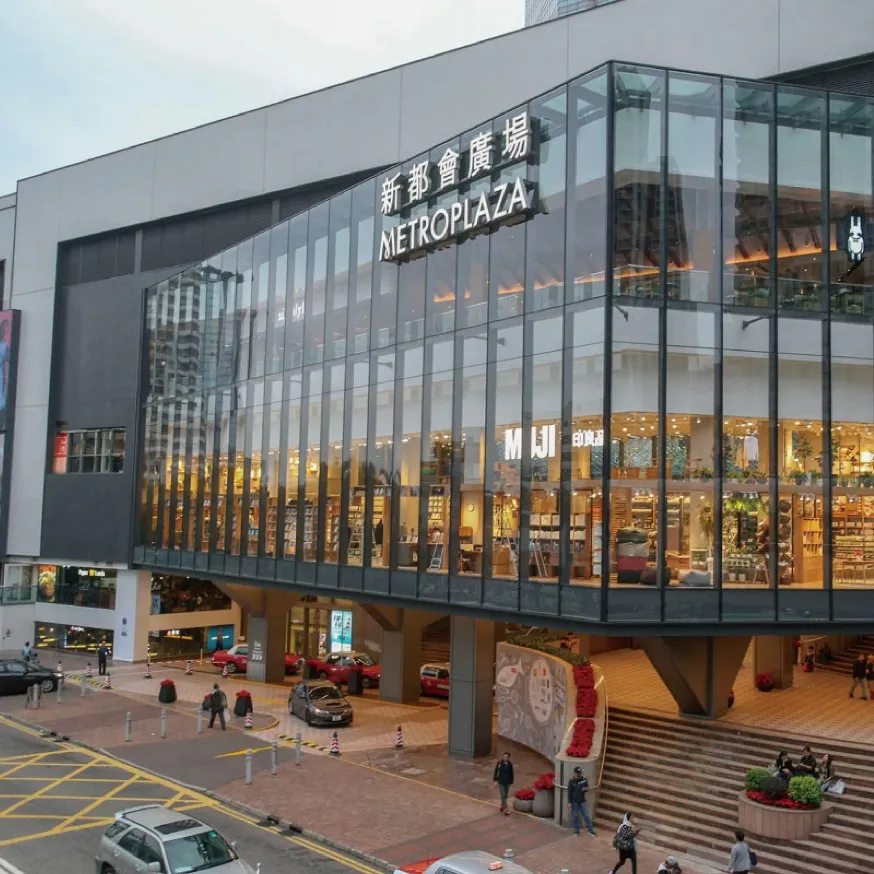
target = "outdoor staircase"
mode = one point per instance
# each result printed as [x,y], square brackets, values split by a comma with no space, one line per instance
[681,778]
[843,662]
[435,641]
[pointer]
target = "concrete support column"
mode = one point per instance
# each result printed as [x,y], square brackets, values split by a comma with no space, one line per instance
[267,647]
[133,606]
[775,655]
[472,657]
[698,671]
[401,651]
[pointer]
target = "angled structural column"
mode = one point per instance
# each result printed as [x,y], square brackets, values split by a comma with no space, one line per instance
[401,651]
[472,657]
[698,671]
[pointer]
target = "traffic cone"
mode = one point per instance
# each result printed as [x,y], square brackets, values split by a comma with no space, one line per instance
[225,671]
[148,673]
[248,723]
[107,683]
[88,671]
[189,670]
[399,739]
[335,745]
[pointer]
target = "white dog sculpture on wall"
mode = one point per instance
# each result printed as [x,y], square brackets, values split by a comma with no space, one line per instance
[856,239]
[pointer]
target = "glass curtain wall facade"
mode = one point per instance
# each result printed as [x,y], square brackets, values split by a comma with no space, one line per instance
[649,398]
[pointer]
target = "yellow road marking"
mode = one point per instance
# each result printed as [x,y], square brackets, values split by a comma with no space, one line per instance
[73,828]
[95,803]
[41,792]
[243,752]
[332,854]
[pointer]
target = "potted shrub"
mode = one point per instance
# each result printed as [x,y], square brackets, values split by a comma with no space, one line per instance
[764,682]
[523,800]
[806,791]
[544,795]
[754,778]
[167,692]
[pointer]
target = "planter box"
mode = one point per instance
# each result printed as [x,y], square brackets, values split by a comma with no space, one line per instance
[523,805]
[544,802]
[779,822]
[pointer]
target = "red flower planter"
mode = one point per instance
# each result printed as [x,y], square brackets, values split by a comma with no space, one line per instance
[581,741]
[525,794]
[587,702]
[787,803]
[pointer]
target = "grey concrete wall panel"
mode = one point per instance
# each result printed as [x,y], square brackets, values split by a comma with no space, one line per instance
[87,517]
[492,76]
[210,165]
[334,132]
[111,192]
[7,241]
[38,210]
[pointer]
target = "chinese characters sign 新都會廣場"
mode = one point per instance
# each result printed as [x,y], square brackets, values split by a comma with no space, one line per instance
[504,201]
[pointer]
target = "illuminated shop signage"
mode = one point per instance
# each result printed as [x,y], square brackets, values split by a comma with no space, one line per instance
[503,202]
[544,440]
[855,234]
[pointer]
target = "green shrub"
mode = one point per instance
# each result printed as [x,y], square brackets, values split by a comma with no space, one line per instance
[549,643]
[805,790]
[754,778]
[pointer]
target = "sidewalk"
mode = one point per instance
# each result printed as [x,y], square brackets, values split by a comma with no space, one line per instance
[403,807]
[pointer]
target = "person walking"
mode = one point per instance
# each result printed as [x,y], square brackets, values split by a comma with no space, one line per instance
[504,778]
[860,670]
[27,652]
[577,787]
[741,860]
[218,702]
[102,655]
[625,843]
[869,676]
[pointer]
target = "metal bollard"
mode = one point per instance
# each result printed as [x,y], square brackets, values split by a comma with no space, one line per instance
[163,722]
[297,749]
[508,855]
[274,746]
[248,767]
[84,687]
[58,691]
[200,720]
[36,694]
[128,725]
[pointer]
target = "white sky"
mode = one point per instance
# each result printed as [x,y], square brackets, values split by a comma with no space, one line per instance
[79,78]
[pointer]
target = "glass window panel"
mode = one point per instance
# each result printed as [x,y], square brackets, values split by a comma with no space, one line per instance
[358,334]
[293,474]
[312,471]
[317,272]
[296,300]
[380,455]
[546,229]
[356,409]
[851,127]
[261,301]
[338,315]
[748,116]
[639,105]
[634,511]
[800,231]
[692,196]
[277,314]
[690,440]
[334,461]
[242,326]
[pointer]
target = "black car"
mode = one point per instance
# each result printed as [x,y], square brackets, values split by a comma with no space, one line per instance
[17,676]
[319,702]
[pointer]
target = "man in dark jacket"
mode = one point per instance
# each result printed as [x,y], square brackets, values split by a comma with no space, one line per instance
[504,778]
[217,705]
[102,655]
[859,677]
[577,787]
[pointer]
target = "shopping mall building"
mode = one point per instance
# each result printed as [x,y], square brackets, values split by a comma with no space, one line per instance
[571,328]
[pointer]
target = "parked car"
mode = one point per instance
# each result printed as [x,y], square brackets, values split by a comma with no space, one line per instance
[154,838]
[17,676]
[435,680]
[337,666]
[470,862]
[319,702]
[237,659]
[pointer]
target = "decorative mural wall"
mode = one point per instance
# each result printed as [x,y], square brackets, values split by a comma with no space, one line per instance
[531,691]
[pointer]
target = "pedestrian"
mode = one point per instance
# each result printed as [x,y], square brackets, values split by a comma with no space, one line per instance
[869,675]
[860,670]
[217,705]
[625,843]
[26,651]
[577,787]
[504,778]
[102,655]
[742,857]
[670,866]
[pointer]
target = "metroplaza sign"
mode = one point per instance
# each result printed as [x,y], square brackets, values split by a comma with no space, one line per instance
[503,202]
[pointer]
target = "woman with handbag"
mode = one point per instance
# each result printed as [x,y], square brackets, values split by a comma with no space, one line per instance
[743,859]
[625,843]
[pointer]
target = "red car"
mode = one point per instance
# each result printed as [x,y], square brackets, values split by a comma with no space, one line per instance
[237,658]
[435,680]
[337,666]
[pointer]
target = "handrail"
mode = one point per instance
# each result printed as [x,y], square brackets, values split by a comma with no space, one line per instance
[606,734]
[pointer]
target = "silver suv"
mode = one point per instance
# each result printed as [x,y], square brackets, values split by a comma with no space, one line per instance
[155,839]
